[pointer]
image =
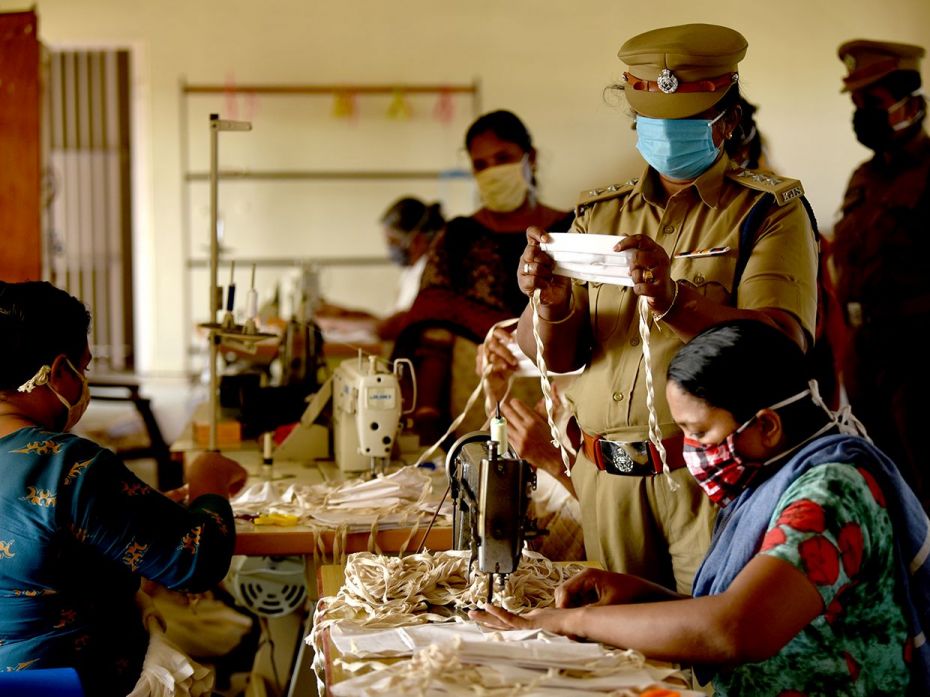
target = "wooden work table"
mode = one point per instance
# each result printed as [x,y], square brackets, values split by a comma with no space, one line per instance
[253,540]
[272,540]
[329,579]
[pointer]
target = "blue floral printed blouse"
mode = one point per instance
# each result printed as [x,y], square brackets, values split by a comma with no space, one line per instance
[77,532]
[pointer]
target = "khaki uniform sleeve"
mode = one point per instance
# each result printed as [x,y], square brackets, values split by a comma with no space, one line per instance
[782,270]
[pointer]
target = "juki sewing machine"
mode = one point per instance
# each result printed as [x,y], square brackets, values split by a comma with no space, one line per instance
[490,492]
[367,407]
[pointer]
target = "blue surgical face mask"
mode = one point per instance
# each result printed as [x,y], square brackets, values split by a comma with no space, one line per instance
[399,254]
[677,148]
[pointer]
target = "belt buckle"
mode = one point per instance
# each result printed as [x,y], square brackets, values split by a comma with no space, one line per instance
[617,460]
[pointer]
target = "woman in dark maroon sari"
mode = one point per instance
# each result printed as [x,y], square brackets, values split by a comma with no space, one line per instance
[470,281]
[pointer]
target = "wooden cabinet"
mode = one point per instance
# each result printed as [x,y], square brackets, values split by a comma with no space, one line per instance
[20,214]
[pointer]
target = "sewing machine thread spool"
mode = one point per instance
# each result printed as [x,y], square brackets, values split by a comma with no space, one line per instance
[499,433]
[267,460]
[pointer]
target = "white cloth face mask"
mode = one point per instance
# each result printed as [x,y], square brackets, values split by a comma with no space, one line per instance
[589,258]
[504,188]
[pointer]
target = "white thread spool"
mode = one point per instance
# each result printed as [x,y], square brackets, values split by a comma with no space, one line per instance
[267,469]
[499,434]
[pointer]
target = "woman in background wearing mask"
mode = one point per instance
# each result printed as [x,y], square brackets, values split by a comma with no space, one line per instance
[470,278]
[79,530]
[684,220]
[409,228]
[807,587]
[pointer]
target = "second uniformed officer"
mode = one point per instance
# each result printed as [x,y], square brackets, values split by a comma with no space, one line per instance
[711,242]
[882,254]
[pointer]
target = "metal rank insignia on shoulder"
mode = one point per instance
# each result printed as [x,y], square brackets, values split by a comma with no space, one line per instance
[590,196]
[784,189]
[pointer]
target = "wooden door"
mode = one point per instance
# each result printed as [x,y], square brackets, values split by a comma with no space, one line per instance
[20,227]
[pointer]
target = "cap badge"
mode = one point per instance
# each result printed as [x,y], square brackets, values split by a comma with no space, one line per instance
[667,82]
[850,61]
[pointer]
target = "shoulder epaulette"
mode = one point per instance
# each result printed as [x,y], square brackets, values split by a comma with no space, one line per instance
[587,197]
[782,188]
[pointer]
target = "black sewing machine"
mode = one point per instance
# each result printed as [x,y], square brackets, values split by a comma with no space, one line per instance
[490,496]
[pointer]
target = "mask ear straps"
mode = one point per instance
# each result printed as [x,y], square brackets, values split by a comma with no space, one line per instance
[40,378]
[710,124]
[844,418]
[814,388]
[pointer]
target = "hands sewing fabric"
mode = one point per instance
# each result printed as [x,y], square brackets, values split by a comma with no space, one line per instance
[503,363]
[548,619]
[590,588]
[527,429]
[529,435]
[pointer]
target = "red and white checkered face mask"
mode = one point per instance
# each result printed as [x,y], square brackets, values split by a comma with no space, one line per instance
[718,469]
[721,472]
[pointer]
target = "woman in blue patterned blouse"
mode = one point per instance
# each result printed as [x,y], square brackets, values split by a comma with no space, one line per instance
[78,530]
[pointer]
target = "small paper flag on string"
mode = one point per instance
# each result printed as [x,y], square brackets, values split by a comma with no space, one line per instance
[399,108]
[251,106]
[232,103]
[343,105]
[444,111]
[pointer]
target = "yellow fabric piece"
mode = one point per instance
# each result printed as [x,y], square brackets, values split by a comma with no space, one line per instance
[280,519]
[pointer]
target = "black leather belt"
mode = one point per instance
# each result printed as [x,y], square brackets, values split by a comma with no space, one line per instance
[614,456]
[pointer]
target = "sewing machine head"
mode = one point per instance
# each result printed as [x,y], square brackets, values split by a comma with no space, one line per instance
[490,497]
[366,414]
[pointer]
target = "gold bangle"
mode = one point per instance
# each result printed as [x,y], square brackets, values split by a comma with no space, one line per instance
[571,311]
[660,317]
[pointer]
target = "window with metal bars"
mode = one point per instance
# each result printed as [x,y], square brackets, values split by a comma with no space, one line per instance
[87,192]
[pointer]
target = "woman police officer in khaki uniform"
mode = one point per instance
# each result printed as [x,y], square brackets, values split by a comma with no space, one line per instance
[683,220]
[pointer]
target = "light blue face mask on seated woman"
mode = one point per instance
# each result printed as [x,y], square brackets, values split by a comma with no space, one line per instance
[677,148]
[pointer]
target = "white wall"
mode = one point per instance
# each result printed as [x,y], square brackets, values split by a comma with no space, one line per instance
[547,60]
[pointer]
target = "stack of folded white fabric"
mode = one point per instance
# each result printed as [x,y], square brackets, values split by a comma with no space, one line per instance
[391,501]
[462,658]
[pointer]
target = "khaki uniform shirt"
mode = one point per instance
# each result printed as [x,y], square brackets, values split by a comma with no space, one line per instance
[781,273]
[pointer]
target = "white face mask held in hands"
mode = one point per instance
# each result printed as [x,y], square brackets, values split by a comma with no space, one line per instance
[592,258]
[589,257]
